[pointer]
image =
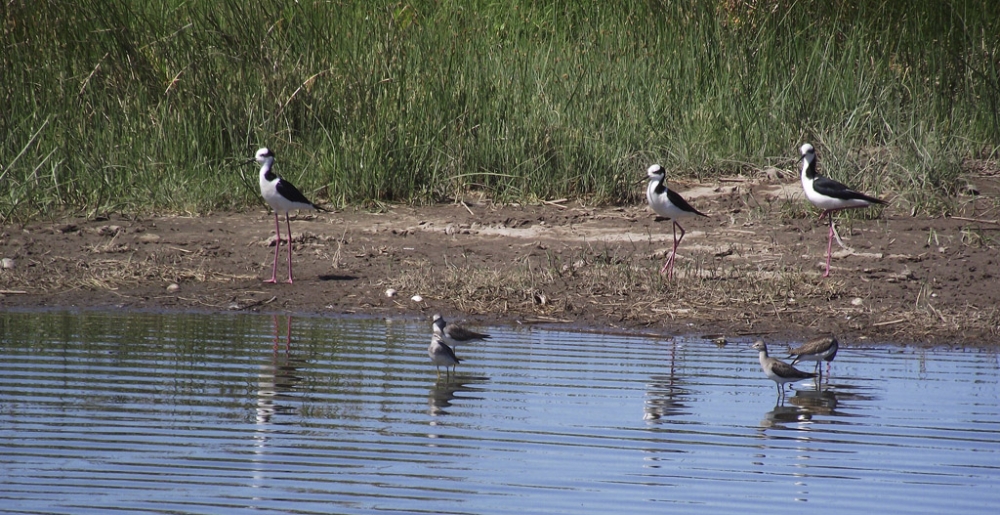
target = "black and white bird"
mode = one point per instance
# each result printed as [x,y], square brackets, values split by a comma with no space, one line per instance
[829,195]
[454,334]
[668,204]
[283,197]
[442,354]
[777,370]
[818,349]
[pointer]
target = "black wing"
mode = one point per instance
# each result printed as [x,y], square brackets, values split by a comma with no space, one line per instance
[831,188]
[682,204]
[290,192]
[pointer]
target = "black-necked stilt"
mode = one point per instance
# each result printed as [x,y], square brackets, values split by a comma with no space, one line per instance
[829,195]
[818,350]
[455,335]
[777,370]
[441,354]
[283,197]
[668,204]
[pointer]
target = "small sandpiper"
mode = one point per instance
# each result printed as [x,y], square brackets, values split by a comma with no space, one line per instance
[441,354]
[777,370]
[818,350]
[454,334]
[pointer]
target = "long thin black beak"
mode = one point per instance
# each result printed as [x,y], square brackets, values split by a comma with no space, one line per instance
[240,163]
[642,180]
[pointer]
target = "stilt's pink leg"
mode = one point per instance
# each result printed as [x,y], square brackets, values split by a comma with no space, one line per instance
[670,259]
[666,265]
[669,265]
[673,259]
[288,225]
[829,244]
[277,245]
[829,251]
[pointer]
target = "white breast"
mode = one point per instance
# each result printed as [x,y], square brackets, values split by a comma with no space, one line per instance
[660,204]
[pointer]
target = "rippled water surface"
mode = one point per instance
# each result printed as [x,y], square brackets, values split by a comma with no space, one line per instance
[143,413]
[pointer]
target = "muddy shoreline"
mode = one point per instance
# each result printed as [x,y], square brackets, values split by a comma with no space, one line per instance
[754,267]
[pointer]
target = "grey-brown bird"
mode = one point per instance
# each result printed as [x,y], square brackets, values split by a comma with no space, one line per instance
[441,354]
[777,370]
[455,335]
[818,349]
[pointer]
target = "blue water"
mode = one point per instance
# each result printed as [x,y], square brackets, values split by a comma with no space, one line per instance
[148,413]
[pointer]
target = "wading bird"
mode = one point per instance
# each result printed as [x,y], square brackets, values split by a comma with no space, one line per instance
[777,370]
[283,197]
[828,195]
[441,354]
[818,350]
[455,335]
[668,204]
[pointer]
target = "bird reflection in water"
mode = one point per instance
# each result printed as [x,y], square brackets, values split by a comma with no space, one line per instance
[449,388]
[801,407]
[817,402]
[663,394]
[277,378]
[442,393]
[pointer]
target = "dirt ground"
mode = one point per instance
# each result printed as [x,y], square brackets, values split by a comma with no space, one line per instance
[754,267]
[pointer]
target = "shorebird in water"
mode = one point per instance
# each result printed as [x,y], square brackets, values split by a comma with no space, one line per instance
[442,354]
[777,370]
[454,334]
[818,350]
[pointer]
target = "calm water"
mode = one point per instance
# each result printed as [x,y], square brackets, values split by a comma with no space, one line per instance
[141,413]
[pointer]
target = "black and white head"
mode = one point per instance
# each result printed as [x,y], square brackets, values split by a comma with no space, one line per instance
[264,156]
[656,172]
[807,152]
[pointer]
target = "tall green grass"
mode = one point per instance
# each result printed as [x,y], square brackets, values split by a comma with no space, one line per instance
[131,106]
